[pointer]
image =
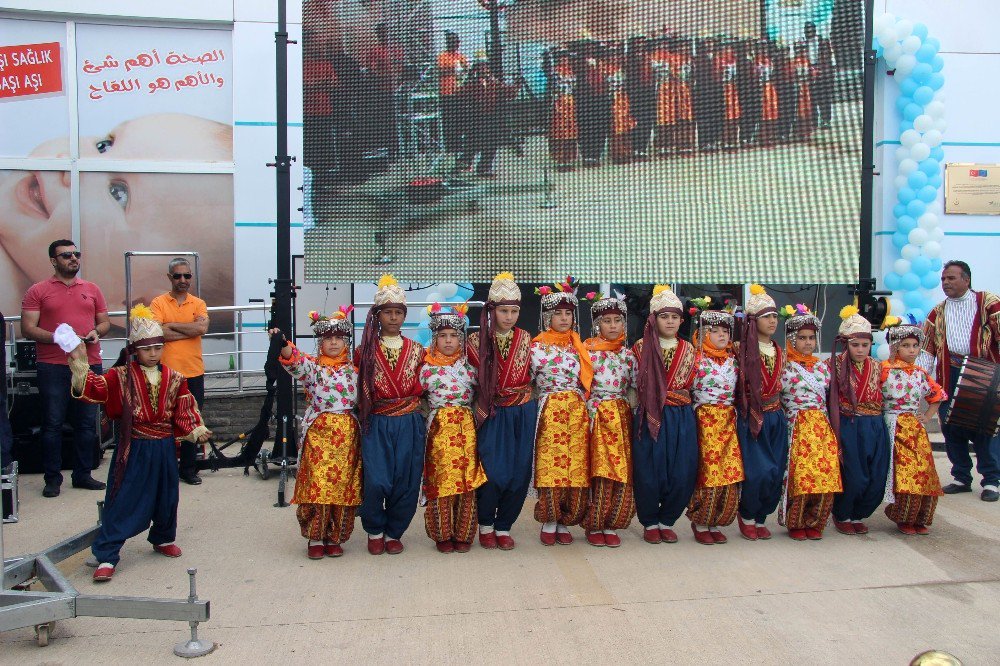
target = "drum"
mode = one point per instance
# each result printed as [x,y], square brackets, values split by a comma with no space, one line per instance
[976,403]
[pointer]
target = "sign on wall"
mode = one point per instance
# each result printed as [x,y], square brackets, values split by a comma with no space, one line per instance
[972,189]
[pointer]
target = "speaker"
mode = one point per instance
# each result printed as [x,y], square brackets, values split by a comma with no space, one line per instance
[24,355]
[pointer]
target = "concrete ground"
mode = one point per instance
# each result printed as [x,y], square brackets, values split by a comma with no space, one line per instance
[878,599]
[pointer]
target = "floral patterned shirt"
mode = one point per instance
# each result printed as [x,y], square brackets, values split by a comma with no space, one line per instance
[555,369]
[802,388]
[903,387]
[328,389]
[448,385]
[714,383]
[614,372]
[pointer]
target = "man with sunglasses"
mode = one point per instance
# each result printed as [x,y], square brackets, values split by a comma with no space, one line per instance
[184,318]
[65,298]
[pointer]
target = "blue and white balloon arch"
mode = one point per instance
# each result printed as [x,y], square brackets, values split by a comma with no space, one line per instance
[909,50]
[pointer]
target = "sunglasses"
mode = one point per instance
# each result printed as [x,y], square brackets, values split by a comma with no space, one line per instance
[178,276]
[69,255]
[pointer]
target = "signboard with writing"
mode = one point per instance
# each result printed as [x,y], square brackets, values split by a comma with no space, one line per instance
[30,69]
[972,189]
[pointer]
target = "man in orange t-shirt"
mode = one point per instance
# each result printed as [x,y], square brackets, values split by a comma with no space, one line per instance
[184,318]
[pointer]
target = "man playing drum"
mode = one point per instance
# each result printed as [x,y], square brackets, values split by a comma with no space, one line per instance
[967,323]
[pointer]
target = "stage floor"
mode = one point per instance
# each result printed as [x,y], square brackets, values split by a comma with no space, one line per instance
[879,599]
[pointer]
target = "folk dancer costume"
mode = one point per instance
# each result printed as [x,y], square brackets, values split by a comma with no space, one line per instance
[856,406]
[392,429]
[764,72]
[611,501]
[564,131]
[563,374]
[761,425]
[681,77]
[154,406]
[452,472]
[622,121]
[665,448]
[957,327]
[506,415]
[803,74]
[661,62]
[912,487]
[726,73]
[720,465]
[328,481]
[813,474]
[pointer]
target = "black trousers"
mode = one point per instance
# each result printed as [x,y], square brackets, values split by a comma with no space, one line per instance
[189,450]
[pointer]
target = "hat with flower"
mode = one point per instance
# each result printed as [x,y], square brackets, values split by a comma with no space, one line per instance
[144,330]
[336,325]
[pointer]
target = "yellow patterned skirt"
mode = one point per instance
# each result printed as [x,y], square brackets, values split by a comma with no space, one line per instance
[814,461]
[451,463]
[561,442]
[330,465]
[912,459]
[720,462]
[611,441]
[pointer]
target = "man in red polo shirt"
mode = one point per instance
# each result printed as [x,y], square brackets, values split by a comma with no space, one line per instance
[65,298]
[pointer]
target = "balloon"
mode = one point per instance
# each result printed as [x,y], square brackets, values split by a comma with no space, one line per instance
[900,182]
[936,234]
[899,240]
[905,125]
[910,252]
[884,22]
[917,314]
[916,179]
[906,195]
[448,289]
[940,125]
[902,153]
[892,52]
[918,236]
[896,305]
[935,181]
[932,250]
[892,281]
[920,265]
[933,42]
[910,282]
[902,102]
[934,109]
[937,64]
[433,297]
[910,138]
[911,112]
[905,225]
[904,29]
[913,299]
[920,151]
[883,352]
[922,73]
[936,263]
[934,81]
[925,53]
[916,208]
[930,167]
[927,194]
[908,86]
[931,280]
[901,266]
[908,166]
[932,138]
[928,221]
[937,154]
[904,65]
[911,44]
[899,210]
[923,122]
[920,30]
[923,96]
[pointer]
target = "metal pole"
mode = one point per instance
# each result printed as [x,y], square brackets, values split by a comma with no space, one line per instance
[239,351]
[867,148]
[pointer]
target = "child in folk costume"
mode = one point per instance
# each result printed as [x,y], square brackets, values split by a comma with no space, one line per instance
[856,406]
[761,425]
[813,475]
[913,487]
[763,68]
[328,482]
[622,122]
[665,449]
[563,128]
[611,502]
[153,404]
[720,465]
[392,428]
[506,413]
[726,71]
[451,466]
[563,373]
[661,62]
[803,74]
[681,76]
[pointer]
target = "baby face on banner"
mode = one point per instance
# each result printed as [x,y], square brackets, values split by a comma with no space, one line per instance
[124,211]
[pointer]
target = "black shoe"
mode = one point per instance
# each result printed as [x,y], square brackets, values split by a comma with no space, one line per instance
[955,488]
[191,479]
[89,483]
[51,490]
[989,495]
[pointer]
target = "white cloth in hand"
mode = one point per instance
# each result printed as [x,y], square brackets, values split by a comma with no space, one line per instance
[66,338]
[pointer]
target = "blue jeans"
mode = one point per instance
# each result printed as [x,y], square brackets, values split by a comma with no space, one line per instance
[58,406]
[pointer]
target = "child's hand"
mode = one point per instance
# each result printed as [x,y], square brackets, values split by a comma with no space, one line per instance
[205,436]
[79,353]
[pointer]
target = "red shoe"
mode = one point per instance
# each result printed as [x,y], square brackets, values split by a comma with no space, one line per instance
[668,535]
[596,538]
[333,550]
[463,546]
[564,538]
[907,529]
[376,546]
[813,534]
[505,542]
[548,538]
[612,540]
[921,530]
[103,573]
[703,537]
[797,534]
[763,532]
[488,540]
[393,546]
[860,528]
[442,546]
[845,527]
[719,537]
[315,552]
[748,532]
[170,550]
[652,535]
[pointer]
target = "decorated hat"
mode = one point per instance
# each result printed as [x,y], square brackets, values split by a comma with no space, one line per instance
[389,293]
[144,330]
[602,305]
[338,324]
[560,296]
[665,300]
[797,318]
[907,328]
[853,325]
[504,290]
[452,317]
[710,313]
[760,302]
